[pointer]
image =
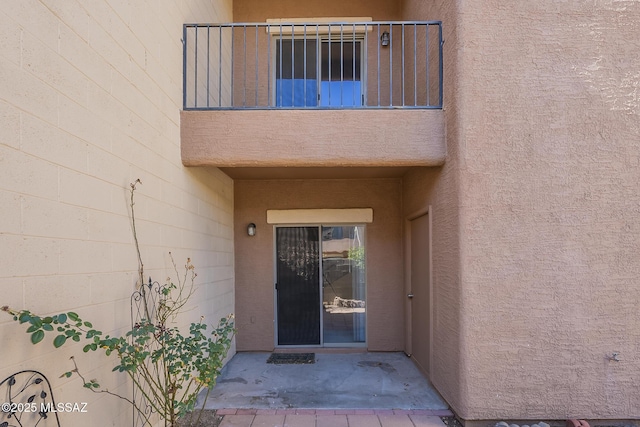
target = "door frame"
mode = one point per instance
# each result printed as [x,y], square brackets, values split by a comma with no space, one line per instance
[348,38]
[322,344]
[407,268]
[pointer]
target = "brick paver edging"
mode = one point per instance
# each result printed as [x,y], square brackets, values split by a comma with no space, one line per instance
[428,412]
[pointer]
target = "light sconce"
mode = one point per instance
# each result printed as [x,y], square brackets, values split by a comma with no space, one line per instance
[384,39]
[251,229]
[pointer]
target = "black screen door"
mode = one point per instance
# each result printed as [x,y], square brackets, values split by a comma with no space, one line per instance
[298,285]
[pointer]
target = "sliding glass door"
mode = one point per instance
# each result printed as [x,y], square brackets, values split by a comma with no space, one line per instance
[321,72]
[320,286]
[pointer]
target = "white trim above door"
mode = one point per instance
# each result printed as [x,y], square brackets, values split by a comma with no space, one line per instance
[320,216]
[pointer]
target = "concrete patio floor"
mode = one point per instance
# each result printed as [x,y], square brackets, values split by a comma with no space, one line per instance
[352,389]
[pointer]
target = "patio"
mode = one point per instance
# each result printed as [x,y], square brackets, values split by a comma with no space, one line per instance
[351,381]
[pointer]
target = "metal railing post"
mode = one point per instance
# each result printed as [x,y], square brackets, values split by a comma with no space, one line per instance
[220,68]
[208,62]
[195,68]
[304,60]
[281,83]
[233,36]
[330,70]
[353,66]
[415,65]
[426,59]
[402,78]
[293,71]
[244,67]
[390,65]
[378,78]
[441,71]
[184,67]
[257,67]
[269,67]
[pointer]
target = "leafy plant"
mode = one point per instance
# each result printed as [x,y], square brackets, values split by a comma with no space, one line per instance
[357,255]
[167,367]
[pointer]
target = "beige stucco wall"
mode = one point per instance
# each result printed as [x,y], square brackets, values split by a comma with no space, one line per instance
[549,171]
[439,188]
[313,138]
[89,101]
[255,264]
[539,266]
[260,10]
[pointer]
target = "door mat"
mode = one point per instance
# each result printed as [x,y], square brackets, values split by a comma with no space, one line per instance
[291,358]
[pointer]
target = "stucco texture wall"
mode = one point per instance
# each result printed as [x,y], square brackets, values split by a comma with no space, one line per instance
[89,102]
[438,188]
[260,10]
[543,138]
[255,263]
[549,213]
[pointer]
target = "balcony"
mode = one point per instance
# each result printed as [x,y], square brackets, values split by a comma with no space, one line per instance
[321,94]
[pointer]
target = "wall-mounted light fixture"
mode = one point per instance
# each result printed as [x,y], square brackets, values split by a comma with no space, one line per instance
[384,39]
[251,229]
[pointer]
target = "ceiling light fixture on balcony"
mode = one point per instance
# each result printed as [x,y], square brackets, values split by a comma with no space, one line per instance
[384,39]
[251,229]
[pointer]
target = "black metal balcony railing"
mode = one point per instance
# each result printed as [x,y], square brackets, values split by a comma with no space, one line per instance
[313,65]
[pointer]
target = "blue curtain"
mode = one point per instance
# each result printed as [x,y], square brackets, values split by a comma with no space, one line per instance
[291,93]
[346,93]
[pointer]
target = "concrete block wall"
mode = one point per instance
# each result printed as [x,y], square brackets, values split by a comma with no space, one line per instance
[90,96]
[208,71]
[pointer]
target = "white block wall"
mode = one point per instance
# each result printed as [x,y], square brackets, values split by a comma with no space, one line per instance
[90,94]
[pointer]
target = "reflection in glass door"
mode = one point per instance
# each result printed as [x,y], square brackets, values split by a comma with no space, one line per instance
[343,285]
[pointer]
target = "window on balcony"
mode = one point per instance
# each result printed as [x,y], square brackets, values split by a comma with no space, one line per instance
[319,72]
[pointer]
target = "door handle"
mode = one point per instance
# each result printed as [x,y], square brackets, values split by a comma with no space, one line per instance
[409,296]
